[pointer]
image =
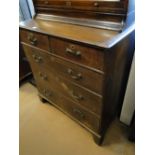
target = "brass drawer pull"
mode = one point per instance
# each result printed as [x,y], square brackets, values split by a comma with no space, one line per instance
[37,59]
[75,77]
[42,76]
[78,113]
[45,2]
[96,4]
[47,93]
[73,52]
[77,97]
[32,39]
[68,3]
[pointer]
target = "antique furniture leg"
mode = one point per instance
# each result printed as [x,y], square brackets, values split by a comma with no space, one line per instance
[42,99]
[98,140]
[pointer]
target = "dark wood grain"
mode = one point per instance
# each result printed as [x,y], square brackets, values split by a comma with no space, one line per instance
[87,56]
[82,96]
[87,9]
[79,75]
[118,62]
[100,16]
[80,34]
[70,107]
[99,6]
[34,39]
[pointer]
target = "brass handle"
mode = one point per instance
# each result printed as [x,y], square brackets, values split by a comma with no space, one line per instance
[96,4]
[75,77]
[32,39]
[78,113]
[77,97]
[42,76]
[33,42]
[47,93]
[73,52]
[37,59]
[68,3]
[34,57]
[46,2]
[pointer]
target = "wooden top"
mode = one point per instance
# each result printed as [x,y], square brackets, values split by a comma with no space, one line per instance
[88,35]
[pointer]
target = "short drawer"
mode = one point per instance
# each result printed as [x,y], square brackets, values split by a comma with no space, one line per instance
[35,39]
[83,55]
[66,105]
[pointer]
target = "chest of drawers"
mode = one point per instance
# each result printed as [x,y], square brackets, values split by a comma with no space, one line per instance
[79,69]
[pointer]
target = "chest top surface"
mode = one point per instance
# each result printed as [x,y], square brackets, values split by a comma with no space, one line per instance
[69,31]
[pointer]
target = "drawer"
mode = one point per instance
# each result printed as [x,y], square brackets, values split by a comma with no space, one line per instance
[35,39]
[76,93]
[77,53]
[81,5]
[70,71]
[66,105]
[77,74]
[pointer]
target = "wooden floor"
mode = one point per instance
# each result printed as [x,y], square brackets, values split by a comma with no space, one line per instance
[44,130]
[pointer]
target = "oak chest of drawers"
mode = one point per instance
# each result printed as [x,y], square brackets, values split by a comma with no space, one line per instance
[78,68]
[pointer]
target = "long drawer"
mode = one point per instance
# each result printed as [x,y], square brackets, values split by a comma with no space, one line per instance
[74,110]
[83,97]
[78,75]
[70,71]
[98,5]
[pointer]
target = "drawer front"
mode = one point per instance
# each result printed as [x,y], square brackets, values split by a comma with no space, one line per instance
[77,74]
[80,54]
[81,5]
[85,98]
[74,110]
[34,39]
